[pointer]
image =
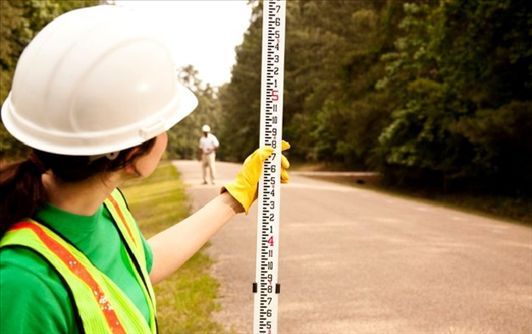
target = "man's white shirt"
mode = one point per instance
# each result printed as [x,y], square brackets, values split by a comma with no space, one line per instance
[208,144]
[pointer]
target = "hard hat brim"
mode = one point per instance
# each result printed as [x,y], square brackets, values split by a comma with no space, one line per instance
[98,142]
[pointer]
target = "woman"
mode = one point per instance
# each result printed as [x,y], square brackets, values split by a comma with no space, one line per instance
[93,95]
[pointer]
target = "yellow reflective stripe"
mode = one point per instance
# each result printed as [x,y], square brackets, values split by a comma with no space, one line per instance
[93,303]
[129,229]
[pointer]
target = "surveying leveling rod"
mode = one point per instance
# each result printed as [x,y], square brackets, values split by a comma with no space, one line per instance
[266,286]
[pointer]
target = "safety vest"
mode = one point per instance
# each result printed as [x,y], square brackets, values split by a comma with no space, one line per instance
[100,303]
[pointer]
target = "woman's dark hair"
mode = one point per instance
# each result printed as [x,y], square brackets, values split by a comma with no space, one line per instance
[21,188]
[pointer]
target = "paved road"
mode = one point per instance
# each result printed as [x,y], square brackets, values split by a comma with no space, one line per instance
[358,261]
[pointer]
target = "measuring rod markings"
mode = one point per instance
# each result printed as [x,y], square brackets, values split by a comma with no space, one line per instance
[266,286]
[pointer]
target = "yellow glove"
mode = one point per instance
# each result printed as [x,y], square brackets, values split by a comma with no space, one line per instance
[244,187]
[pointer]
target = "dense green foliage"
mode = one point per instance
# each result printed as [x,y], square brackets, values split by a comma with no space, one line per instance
[430,91]
[460,73]
[20,20]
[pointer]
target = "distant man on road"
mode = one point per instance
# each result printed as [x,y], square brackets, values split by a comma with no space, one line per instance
[208,144]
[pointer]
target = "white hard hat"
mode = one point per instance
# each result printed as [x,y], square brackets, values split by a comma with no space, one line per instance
[206,128]
[94,81]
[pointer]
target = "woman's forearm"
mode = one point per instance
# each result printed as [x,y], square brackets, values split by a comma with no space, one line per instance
[175,245]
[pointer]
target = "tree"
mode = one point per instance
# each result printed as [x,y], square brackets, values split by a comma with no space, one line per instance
[486,52]
[240,99]
[461,76]
[354,113]
[330,49]
[414,143]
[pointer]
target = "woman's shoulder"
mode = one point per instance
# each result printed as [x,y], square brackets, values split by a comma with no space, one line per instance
[33,295]
[21,266]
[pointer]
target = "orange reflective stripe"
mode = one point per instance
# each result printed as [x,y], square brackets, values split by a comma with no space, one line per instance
[122,218]
[80,271]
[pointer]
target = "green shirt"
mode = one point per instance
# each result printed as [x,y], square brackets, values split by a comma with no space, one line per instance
[33,297]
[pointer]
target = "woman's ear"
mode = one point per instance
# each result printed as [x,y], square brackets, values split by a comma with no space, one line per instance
[130,166]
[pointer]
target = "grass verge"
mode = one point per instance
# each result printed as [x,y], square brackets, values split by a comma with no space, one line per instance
[186,300]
